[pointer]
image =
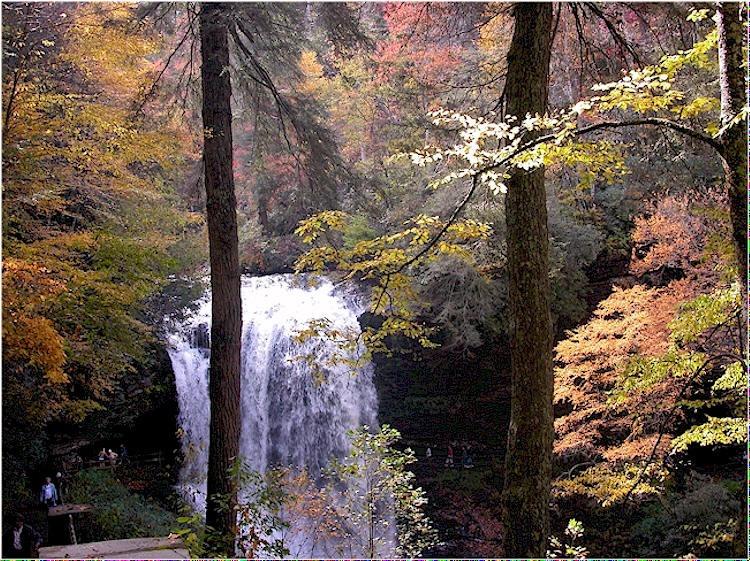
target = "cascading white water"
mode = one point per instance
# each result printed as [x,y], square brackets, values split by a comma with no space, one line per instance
[288,416]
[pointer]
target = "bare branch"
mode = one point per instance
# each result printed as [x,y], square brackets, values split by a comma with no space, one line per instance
[621,42]
[155,84]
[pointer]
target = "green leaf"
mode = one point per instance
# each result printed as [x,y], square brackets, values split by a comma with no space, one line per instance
[714,432]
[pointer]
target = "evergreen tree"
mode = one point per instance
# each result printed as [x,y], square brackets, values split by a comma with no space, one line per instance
[226,311]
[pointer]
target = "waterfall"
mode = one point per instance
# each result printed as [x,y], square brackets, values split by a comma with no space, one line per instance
[289,415]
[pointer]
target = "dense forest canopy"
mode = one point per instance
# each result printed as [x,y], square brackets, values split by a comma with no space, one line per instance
[400,145]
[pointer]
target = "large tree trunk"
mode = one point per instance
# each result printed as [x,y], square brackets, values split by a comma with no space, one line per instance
[528,466]
[734,155]
[734,139]
[226,314]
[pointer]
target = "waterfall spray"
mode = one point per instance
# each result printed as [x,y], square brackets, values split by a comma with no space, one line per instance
[290,417]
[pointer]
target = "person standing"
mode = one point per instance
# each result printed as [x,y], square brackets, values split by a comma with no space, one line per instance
[449,458]
[48,494]
[60,483]
[22,541]
[468,460]
[124,455]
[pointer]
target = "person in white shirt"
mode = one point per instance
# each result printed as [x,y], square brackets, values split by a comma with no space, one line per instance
[48,494]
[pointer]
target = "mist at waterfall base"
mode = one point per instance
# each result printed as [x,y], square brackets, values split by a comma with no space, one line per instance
[289,416]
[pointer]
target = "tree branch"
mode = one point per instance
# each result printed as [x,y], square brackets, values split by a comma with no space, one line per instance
[663,425]
[155,84]
[453,217]
[657,122]
[621,42]
[604,125]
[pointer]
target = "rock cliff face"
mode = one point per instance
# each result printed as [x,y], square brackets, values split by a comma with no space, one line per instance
[142,414]
[436,399]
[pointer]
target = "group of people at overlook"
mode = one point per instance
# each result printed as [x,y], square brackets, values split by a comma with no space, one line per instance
[23,540]
[467,460]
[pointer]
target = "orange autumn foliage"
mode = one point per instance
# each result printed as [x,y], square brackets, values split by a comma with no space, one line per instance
[417,48]
[90,216]
[686,232]
[27,336]
[631,320]
[676,237]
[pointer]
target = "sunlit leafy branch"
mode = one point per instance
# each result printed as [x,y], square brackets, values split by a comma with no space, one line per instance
[696,349]
[486,153]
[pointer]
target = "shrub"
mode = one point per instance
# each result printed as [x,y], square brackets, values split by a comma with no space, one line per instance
[699,522]
[118,512]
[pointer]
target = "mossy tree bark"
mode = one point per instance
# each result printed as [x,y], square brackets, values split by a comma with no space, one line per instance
[528,467]
[731,31]
[226,320]
[733,140]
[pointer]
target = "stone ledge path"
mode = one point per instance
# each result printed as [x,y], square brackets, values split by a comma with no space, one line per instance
[136,548]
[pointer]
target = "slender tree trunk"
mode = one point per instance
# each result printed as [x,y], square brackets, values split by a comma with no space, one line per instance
[10,106]
[734,140]
[226,315]
[17,72]
[263,198]
[528,467]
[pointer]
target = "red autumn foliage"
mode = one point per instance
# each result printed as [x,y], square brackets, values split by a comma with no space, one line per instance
[417,46]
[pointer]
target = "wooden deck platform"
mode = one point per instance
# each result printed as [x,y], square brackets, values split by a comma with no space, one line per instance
[62,510]
[136,548]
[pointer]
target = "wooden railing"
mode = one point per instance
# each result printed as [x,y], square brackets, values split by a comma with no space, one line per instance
[134,460]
